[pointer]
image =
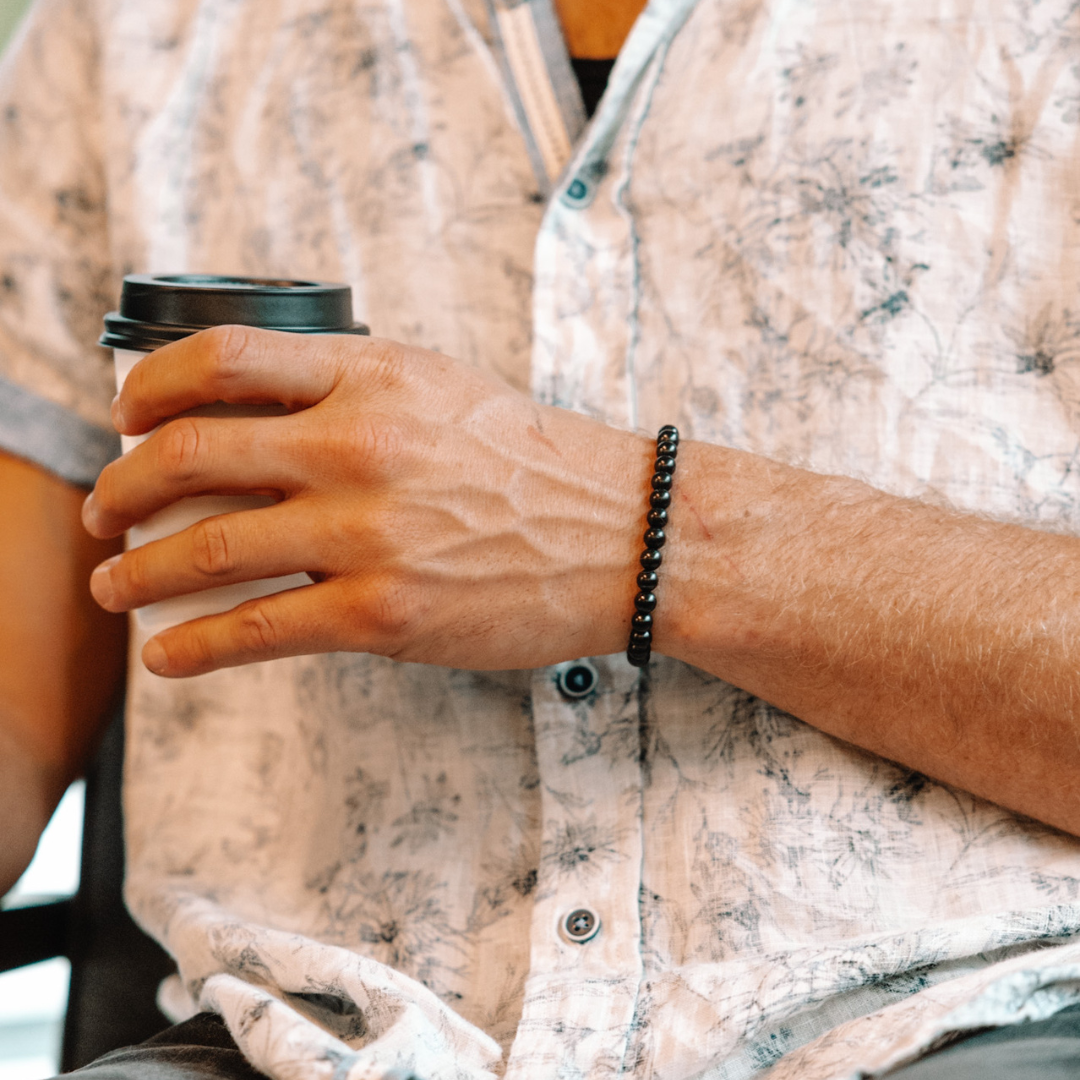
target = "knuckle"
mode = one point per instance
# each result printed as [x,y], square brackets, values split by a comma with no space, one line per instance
[226,352]
[212,552]
[392,612]
[375,445]
[130,575]
[105,490]
[180,449]
[257,630]
[389,364]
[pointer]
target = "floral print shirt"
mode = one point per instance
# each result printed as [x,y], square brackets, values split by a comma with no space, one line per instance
[841,235]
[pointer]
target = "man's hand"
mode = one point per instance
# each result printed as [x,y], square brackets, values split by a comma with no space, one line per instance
[446,518]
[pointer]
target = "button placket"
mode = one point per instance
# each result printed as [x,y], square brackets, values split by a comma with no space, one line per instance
[586,930]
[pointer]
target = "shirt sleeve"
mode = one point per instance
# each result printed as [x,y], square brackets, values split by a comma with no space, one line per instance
[56,275]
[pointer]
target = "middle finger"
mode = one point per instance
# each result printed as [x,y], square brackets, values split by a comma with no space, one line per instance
[226,549]
[192,456]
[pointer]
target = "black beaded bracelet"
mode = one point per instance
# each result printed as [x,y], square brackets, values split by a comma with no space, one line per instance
[667,448]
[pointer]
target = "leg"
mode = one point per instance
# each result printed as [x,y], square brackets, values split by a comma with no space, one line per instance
[1045,1050]
[199,1049]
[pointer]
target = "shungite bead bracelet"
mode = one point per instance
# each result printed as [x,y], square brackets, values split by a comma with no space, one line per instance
[639,649]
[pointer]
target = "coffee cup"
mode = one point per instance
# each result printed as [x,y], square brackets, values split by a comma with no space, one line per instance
[158,309]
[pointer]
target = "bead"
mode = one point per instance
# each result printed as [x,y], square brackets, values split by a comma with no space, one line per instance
[639,648]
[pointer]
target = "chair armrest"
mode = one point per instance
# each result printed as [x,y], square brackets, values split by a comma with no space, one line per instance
[33,933]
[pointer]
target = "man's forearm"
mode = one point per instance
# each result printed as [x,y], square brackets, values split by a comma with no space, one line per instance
[28,795]
[61,656]
[945,642]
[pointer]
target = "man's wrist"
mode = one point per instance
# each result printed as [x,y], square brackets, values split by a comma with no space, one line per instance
[609,473]
[741,527]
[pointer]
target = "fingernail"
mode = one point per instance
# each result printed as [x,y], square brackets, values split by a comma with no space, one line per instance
[101,585]
[89,511]
[117,414]
[153,656]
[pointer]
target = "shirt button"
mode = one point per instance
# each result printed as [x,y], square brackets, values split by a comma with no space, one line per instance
[577,191]
[581,925]
[577,680]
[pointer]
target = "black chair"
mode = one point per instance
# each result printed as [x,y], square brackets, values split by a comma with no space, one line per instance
[115,967]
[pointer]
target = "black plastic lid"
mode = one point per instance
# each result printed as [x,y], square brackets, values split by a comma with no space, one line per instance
[158,308]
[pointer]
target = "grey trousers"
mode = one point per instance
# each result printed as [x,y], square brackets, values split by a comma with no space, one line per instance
[202,1049]
[1046,1050]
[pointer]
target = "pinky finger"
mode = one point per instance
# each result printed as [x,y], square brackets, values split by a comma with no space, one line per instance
[291,623]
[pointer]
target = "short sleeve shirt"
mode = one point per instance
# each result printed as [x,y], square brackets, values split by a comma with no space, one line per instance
[843,236]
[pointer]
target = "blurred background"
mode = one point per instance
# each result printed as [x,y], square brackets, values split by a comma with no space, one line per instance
[33,999]
[10,13]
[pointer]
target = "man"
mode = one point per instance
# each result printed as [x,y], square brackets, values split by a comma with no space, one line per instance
[397,838]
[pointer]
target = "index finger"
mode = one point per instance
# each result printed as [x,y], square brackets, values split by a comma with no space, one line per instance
[242,365]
